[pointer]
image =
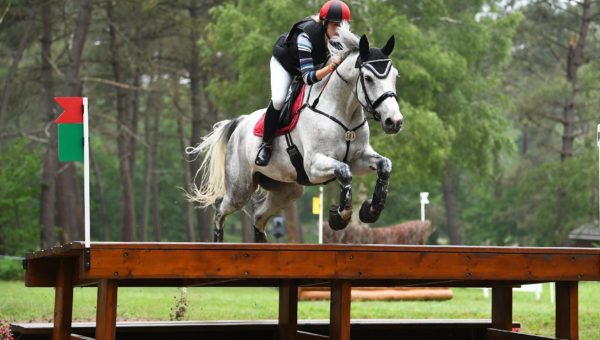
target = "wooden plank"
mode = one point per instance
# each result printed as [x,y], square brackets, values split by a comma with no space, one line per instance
[339,319]
[80,337]
[258,282]
[336,247]
[63,301]
[292,264]
[71,249]
[499,334]
[288,309]
[567,313]
[502,308]
[306,336]
[106,310]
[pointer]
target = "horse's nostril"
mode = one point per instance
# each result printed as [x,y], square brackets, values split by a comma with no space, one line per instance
[389,122]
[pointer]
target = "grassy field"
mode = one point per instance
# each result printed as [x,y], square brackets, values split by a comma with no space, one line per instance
[18,303]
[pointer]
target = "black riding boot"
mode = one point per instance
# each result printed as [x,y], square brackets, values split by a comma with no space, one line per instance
[266,147]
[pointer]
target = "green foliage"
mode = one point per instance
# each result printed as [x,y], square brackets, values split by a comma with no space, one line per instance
[11,269]
[20,164]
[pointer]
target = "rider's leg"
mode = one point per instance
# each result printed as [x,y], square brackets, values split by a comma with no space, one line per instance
[280,83]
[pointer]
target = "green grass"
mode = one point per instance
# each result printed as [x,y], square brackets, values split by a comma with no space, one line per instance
[18,303]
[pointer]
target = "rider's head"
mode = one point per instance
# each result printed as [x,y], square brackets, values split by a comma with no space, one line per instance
[332,14]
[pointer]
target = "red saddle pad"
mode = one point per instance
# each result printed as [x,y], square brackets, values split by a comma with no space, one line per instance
[259,127]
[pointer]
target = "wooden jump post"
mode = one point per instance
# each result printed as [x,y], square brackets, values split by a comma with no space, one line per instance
[286,266]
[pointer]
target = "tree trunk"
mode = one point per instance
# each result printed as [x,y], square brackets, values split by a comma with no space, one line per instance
[187,177]
[12,71]
[135,100]
[100,187]
[450,204]
[123,139]
[48,192]
[155,176]
[148,170]
[574,62]
[68,199]
[293,223]
[204,216]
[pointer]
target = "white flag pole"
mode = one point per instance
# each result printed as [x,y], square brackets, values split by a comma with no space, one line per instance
[86,176]
[320,214]
[424,200]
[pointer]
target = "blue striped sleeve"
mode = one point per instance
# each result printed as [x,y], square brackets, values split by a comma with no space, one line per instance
[307,68]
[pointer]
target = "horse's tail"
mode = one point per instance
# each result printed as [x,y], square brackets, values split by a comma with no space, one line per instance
[212,183]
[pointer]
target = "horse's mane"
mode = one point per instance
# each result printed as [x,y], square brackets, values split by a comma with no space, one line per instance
[345,43]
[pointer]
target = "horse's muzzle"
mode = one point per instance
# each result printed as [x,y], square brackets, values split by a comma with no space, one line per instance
[391,126]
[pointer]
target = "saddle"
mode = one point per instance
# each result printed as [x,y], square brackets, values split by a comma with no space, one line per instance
[290,113]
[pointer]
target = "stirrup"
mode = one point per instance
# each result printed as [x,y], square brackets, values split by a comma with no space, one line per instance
[264,154]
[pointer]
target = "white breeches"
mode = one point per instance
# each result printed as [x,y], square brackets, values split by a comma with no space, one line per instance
[280,84]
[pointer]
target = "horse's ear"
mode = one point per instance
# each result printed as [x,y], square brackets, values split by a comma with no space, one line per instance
[364,48]
[389,46]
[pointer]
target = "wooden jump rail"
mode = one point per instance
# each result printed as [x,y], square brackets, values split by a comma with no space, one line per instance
[289,266]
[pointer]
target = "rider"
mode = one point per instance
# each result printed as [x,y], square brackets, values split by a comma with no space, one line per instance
[301,52]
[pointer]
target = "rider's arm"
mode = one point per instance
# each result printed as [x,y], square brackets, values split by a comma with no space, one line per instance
[307,68]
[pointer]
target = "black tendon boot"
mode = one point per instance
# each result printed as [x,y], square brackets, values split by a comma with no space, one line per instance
[266,147]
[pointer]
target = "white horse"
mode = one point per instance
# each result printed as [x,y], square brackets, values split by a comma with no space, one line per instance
[332,136]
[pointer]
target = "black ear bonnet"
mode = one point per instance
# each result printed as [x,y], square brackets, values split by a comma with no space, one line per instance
[377,62]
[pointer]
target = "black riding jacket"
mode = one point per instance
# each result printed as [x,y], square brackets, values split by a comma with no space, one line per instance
[285,49]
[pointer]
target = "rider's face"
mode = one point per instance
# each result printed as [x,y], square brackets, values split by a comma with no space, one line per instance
[332,29]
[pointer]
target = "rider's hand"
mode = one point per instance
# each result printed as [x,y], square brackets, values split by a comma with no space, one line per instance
[336,60]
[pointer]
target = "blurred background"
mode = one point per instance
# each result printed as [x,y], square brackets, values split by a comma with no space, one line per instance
[501,102]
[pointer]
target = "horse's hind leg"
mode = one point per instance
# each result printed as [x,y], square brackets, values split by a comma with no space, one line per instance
[236,195]
[278,197]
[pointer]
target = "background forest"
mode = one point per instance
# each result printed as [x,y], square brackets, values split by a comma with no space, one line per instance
[500,100]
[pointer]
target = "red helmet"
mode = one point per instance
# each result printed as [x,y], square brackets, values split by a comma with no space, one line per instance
[335,11]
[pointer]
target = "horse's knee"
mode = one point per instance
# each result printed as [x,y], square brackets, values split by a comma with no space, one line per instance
[343,174]
[384,168]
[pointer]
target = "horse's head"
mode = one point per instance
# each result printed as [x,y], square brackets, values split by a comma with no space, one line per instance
[376,85]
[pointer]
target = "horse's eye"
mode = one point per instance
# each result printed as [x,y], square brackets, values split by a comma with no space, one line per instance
[368,79]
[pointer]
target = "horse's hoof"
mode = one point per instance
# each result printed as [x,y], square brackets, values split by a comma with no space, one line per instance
[336,222]
[366,214]
[218,236]
[259,236]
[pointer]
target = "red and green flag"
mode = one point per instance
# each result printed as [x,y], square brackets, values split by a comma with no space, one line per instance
[73,146]
[70,129]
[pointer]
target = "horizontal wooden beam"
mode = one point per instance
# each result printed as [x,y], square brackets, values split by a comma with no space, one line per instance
[498,334]
[74,248]
[134,263]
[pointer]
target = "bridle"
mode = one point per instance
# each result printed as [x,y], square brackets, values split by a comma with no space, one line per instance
[371,106]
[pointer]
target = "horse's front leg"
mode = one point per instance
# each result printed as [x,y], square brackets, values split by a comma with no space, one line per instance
[371,208]
[323,167]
